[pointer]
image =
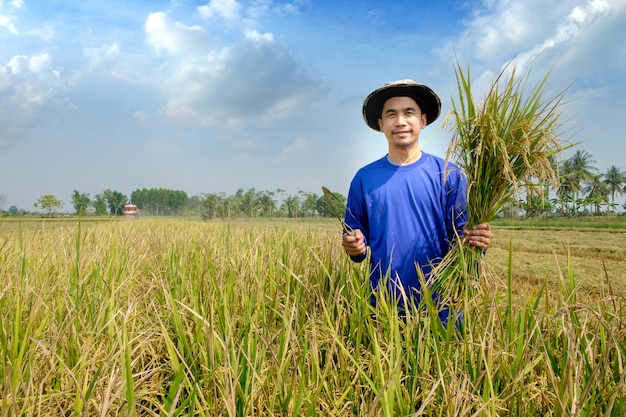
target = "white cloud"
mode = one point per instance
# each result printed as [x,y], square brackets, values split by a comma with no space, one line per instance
[17,63]
[16,4]
[255,81]
[257,37]
[95,56]
[297,148]
[228,10]
[7,23]
[569,37]
[39,63]
[27,87]
[35,64]
[567,31]
[173,37]
[45,32]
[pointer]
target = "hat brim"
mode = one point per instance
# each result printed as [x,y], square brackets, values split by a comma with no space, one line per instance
[426,99]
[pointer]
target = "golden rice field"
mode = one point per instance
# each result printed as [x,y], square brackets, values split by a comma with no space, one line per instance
[188,318]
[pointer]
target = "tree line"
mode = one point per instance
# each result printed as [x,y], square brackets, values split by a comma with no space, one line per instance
[582,190]
[166,202]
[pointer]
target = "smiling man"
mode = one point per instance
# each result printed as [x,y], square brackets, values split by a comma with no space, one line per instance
[409,206]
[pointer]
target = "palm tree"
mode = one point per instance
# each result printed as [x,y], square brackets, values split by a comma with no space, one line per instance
[615,179]
[569,186]
[581,164]
[597,191]
[575,171]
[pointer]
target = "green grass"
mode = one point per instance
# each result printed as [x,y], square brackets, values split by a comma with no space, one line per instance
[167,317]
[606,222]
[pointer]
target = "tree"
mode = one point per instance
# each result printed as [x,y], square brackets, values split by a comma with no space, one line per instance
[212,204]
[309,203]
[574,172]
[615,180]
[115,201]
[99,204]
[193,205]
[597,192]
[3,201]
[291,206]
[81,202]
[536,206]
[569,186]
[582,168]
[266,203]
[249,202]
[328,207]
[176,201]
[160,201]
[48,203]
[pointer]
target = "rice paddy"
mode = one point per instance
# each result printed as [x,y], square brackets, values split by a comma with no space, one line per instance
[241,318]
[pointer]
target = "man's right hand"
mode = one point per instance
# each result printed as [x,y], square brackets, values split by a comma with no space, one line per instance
[354,245]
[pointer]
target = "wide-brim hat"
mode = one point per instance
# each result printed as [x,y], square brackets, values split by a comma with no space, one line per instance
[423,95]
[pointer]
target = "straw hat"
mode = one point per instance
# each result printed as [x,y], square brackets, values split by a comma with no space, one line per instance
[426,98]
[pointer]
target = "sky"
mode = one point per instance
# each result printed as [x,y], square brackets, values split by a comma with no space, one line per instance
[215,96]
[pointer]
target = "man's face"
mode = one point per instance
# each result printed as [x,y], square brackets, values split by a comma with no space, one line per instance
[401,122]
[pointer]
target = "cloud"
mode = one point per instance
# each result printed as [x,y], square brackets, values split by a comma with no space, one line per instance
[7,21]
[227,10]
[39,63]
[27,86]
[173,37]
[567,31]
[96,55]
[256,36]
[564,37]
[35,64]
[254,81]
[295,149]
[258,82]
[16,4]
[500,28]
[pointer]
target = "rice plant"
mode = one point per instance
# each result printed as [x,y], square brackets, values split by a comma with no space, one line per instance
[505,143]
[190,318]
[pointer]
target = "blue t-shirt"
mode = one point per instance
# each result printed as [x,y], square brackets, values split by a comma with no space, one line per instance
[409,215]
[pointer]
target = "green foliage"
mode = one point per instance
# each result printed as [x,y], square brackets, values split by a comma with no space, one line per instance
[115,201]
[48,203]
[81,202]
[331,207]
[99,205]
[257,204]
[160,201]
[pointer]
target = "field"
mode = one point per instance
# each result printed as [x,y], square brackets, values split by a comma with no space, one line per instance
[596,257]
[182,317]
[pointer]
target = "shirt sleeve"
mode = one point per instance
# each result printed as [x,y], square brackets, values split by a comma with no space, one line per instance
[456,203]
[356,214]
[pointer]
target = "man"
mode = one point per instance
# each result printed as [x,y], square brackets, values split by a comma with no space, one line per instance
[409,206]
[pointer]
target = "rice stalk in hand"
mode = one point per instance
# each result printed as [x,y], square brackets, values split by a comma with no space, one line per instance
[505,143]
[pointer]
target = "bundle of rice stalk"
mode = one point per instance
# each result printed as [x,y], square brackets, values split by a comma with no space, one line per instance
[505,143]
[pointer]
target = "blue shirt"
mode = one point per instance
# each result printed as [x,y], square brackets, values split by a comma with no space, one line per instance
[409,216]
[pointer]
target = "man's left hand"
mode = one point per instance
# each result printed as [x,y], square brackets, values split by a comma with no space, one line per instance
[480,236]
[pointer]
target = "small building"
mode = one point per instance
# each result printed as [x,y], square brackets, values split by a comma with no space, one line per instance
[130,211]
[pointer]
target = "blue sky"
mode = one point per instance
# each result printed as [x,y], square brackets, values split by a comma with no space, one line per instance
[213,96]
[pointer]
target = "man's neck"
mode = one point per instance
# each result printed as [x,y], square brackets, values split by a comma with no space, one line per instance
[404,156]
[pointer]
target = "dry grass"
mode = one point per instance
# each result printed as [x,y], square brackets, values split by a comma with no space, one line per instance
[597,257]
